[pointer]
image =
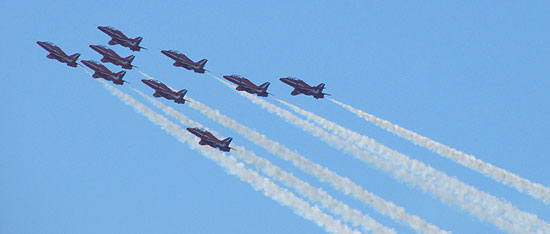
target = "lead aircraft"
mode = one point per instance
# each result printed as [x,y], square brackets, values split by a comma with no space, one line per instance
[117,37]
[101,71]
[208,139]
[161,90]
[244,84]
[301,87]
[58,54]
[185,62]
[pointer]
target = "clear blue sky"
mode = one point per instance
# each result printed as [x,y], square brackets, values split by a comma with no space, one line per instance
[474,75]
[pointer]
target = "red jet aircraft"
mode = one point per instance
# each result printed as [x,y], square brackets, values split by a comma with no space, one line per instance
[109,56]
[58,54]
[184,61]
[117,37]
[301,87]
[244,84]
[161,90]
[208,139]
[101,71]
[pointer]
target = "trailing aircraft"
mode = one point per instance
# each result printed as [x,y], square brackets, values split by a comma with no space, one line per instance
[184,61]
[244,84]
[58,54]
[208,139]
[101,71]
[161,90]
[301,87]
[117,37]
[110,56]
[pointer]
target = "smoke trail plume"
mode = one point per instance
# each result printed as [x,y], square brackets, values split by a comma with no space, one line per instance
[144,74]
[233,167]
[537,191]
[314,194]
[449,189]
[339,182]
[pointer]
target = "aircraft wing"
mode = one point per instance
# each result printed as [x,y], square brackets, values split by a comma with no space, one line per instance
[203,142]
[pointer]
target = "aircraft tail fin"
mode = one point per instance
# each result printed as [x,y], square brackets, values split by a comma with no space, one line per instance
[130,58]
[320,87]
[181,93]
[265,85]
[226,141]
[120,74]
[138,39]
[202,62]
[74,57]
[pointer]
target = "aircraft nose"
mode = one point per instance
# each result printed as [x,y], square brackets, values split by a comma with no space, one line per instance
[165,52]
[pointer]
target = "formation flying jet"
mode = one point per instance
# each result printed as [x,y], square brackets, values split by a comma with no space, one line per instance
[58,54]
[101,71]
[184,61]
[300,87]
[110,56]
[161,90]
[244,84]
[117,37]
[208,139]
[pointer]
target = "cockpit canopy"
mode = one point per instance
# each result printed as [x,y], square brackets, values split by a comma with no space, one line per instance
[49,43]
[111,28]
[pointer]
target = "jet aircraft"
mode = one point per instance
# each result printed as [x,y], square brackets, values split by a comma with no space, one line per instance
[300,87]
[161,90]
[110,56]
[101,71]
[184,61]
[58,54]
[117,37]
[208,139]
[244,84]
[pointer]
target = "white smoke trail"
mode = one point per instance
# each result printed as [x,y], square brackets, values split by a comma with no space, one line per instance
[314,194]
[86,71]
[324,174]
[144,74]
[536,190]
[233,167]
[449,189]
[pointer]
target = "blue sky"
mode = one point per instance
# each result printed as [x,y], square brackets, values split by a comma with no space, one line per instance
[74,159]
